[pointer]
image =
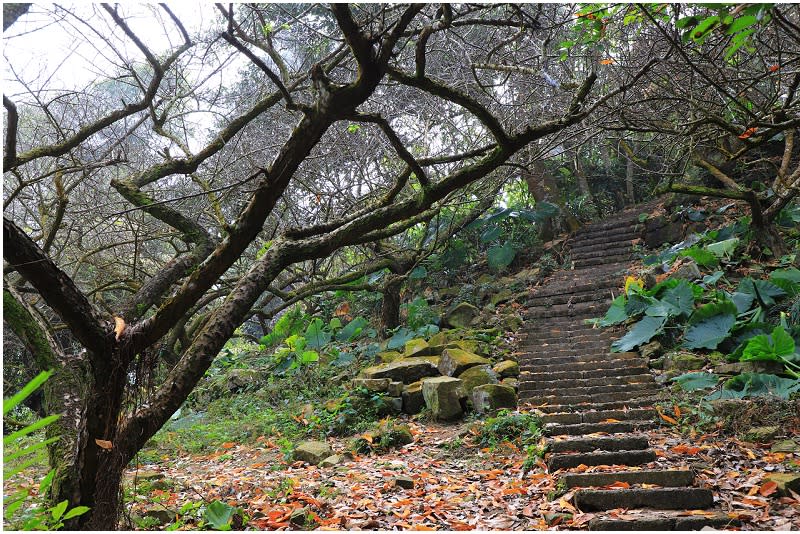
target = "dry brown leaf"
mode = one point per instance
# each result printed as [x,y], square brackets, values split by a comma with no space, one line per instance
[119,327]
[768,488]
[104,444]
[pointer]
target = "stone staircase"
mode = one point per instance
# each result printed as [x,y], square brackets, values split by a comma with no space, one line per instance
[595,403]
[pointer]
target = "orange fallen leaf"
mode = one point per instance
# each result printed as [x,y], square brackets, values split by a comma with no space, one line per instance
[119,327]
[606,61]
[609,420]
[619,484]
[749,132]
[105,444]
[677,411]
[458,525]
[768,488]
[667,418]
[773,68]
[228,445]
[753,502]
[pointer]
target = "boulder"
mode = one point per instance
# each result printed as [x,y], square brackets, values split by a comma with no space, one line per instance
[442,396]
[651,350]
[413,401]
[511,382]
[659,230]
[375,385]
[477,376]
[407,370]
[238,379]
[735,368]
[418,347]
[404,482]
[439,339]
[160,514]
[786,445]
[760,434]
[490,397]
[499,298]
[506,368]
[456,361]
[461,316]
[312,452]
[468,345]
[389,356]
[332,460]
[391,406]
[785,482]
[687,271]
[395,389]
[683,361]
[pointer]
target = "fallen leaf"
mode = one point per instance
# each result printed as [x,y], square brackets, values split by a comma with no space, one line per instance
[105,444]
[606,61]
[119,327]
[749,132]
[768,488]
[773,68]
[677,411]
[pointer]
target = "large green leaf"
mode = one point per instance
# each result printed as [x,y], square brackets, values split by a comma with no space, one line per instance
[723,249]
[616,313]
[696,380]
[764,292]
[677,300]
[743,301]
[316,335]
[701,256]
[501,256]
[776,346]
[218,515]
[709,333]
[491,234]
[638,303]
[399,339]
[640,333]
[353,329]
[787,279]
[709,325]
[756,384]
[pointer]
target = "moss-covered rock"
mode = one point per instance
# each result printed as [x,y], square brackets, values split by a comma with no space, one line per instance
[477,376]
[461,315]
[406,370]
[506,368]
[312,452]
[490,397]
[413,401]
[443,396]
[418,347]
[683,361]
[760,434]
[375,385]
[455,361]
[389,356]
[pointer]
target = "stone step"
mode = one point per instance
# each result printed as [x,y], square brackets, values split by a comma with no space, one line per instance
[563,329]
[598,296]
[606,260]
[601,246]
[616,235]
[650,387]
[664,478]
[610,366]
[600,350]
[629,458]
[608,228]
[602,443]
[620,404]
[577,358]
[571,285]
[660,520]
[568,398]
[579,311]
[568,343]
[573,383]
[571,418]
[617,249]
[581,429]
[659,498]
[539,375]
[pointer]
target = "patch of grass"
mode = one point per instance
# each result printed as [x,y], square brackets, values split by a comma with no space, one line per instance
[523,429]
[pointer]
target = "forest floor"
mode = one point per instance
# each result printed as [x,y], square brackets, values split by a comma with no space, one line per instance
[457,484]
